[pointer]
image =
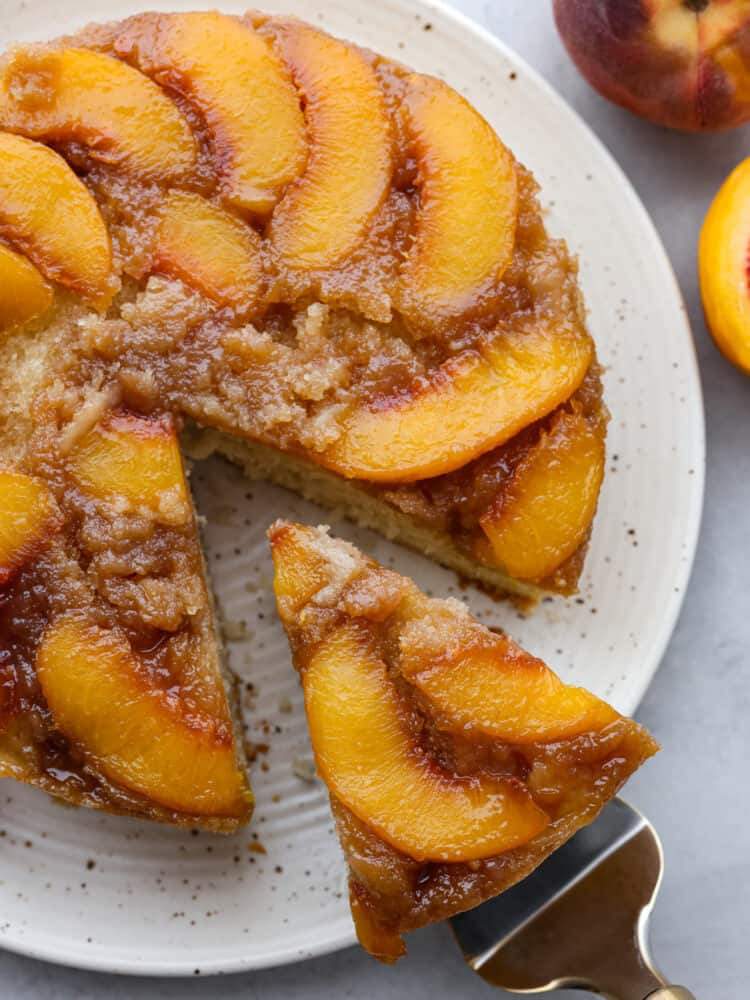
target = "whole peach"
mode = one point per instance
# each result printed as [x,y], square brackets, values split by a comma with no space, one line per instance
[680,63]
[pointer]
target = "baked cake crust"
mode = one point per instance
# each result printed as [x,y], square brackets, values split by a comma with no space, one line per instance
[327,265]
[455,761]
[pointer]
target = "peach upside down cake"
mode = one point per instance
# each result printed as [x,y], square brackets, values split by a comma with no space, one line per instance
[455,761]
[293,251]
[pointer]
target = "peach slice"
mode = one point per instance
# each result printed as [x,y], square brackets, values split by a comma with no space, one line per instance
[208,248]
[724,265]
[133,462]
[496,689]
[369,761]
[299,572]
[28,517]
[325,215]
[24,294]
[91,99]
[473,403]
[241,89]
[468,205]
[41,203]
[546,512]
[134,732]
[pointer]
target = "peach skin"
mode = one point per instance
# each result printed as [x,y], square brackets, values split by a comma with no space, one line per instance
[724,267]
[680,63]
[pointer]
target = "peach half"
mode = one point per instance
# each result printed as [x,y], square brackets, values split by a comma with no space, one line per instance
[325,214]
[41,203]
[209,249]
[467,210]
[29,516]
[724,266]
[134,463]
[473,403]
[118,115]
[102,700]
[24,294]
[369,761]
[545,513]
[241,89]
[495,689]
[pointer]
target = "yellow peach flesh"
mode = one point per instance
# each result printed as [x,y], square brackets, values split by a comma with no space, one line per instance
[24,294]
[41,203]
[474,403]
[546,512]
[468,205]
[116,113]
[298,571]
[28,516]
[209,249]
[325,214]
[243,92]
[724,265]
[103,701]
[135,463]
[503,693]
[368,760]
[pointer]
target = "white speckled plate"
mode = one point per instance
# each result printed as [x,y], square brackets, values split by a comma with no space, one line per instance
[114,894]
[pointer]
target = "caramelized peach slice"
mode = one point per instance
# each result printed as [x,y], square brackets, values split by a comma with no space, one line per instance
[28,517]
[24,294]
[325,215]
[133,462]
[468,205]
[724,264]
[134,732]
[475,402]
[209,249]
[241,89]
[299,572]
[369,761]
[42,204]
[496,689]
[82,97]
[547,510]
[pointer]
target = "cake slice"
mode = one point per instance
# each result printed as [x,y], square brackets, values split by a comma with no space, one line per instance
[455,761]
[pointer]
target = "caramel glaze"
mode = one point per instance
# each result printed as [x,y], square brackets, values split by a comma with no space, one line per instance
[285,373]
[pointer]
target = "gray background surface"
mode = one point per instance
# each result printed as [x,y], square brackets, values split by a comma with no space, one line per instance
[696,790]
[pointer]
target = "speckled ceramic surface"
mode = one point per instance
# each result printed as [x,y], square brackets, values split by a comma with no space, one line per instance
[109,893]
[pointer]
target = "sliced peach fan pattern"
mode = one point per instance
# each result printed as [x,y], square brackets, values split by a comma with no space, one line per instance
[250,227]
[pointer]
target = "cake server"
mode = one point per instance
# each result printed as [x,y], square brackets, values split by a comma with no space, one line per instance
[580,921]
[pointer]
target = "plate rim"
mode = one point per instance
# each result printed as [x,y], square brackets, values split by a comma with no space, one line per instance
[343,937]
